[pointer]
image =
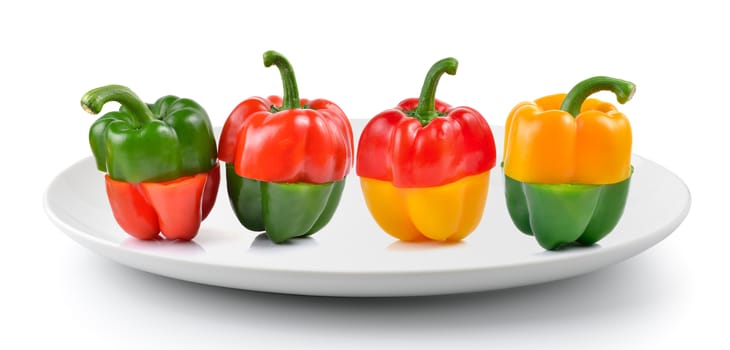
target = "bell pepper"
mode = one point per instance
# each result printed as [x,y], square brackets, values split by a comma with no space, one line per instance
[567,164]
[424,165]
[286,159]
[160,159]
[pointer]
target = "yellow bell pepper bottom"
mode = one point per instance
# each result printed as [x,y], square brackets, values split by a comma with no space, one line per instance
[447,212]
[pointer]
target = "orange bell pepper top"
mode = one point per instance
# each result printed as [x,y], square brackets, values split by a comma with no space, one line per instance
[544,144]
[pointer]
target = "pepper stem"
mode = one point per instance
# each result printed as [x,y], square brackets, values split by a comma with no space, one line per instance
[291,92]
[426,109]
[573,101]
[93,101]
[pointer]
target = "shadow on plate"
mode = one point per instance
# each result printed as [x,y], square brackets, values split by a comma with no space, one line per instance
[161,245]
[263,243]
[402,246]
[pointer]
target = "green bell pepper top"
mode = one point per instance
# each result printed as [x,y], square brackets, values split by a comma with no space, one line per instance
[157,142]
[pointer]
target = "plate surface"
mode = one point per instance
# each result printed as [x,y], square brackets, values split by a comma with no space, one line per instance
[352,256]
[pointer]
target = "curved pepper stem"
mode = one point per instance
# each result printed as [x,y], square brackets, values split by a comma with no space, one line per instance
[291,91]
[623,89]
[93,101]
[426,109]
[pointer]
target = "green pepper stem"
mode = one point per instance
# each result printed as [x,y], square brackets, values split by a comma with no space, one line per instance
[93,101]
[573,101]
[291,92]
[426,109]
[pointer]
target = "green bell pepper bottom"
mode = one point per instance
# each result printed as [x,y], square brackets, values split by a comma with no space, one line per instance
[283,210]
[561,214]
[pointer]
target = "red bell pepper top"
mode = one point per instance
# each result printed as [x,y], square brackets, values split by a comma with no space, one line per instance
[313,144]
[287,139]
[396,147]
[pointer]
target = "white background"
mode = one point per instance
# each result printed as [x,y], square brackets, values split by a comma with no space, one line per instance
[365,56]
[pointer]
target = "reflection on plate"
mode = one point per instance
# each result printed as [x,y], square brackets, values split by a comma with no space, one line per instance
[351,256]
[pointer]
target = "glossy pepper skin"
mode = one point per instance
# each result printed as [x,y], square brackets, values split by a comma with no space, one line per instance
[286,159]
[567,164]
[424,165]
[160,159]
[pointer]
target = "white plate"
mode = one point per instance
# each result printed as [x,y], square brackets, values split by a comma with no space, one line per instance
[351,256]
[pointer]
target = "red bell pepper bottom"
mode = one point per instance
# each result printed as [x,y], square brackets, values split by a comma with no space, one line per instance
[174,208]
